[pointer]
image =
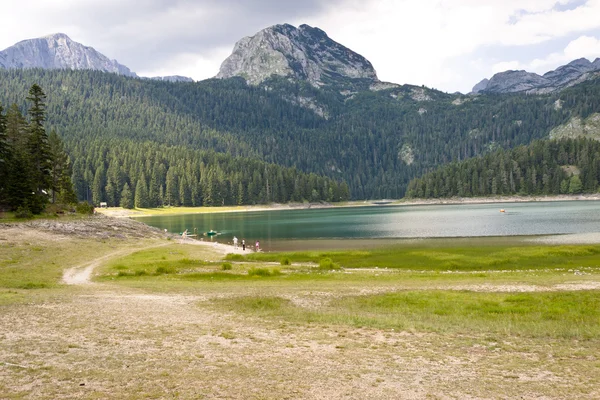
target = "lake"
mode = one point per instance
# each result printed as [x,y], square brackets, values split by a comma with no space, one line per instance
[378,225]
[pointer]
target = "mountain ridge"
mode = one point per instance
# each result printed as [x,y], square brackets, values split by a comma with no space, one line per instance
[513,81]
[59,51]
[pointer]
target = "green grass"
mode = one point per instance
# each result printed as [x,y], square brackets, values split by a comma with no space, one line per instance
[552,315]
[409,266]
[40,265]
[476,258]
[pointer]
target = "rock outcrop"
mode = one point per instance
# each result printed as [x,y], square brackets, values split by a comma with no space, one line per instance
[480,86]
[58,51]
[303,53]
[562,77]
[172,78]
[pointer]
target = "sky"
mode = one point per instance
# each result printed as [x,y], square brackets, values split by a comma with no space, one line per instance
[448,45]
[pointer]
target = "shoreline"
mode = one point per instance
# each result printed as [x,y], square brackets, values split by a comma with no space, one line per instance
[118,212]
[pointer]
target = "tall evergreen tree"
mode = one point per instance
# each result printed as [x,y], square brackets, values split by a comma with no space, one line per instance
[39,149]
[4,154]
[141,193]
[126,197]
[19,192]
[62,187]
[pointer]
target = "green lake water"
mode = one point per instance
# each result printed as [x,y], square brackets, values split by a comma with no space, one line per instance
[380,225]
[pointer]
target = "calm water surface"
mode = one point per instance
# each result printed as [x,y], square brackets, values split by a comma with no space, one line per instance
[278,230]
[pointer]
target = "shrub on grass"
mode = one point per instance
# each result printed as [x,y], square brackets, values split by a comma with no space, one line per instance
[264,272]
[141,272]
[226,266]
[327,264]
[234,257]
[163,269]
[23,213]
[84,208]
[33,285]
[285,261]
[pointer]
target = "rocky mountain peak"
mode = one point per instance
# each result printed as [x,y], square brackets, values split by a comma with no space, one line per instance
[58,51]
[522,81]
[304,53]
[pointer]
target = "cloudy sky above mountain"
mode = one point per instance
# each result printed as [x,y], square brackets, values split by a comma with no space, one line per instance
[445,44]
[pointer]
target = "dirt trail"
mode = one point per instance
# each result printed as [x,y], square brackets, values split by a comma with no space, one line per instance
[81,274]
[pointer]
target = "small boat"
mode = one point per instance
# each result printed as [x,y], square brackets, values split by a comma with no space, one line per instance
[502,210]
[211,233]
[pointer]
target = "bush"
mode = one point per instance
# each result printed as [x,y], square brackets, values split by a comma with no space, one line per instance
[226,266]
[264,272]
[34,285]
[328,264]
[285,261]
[234,257]
[84,208]
[23,212]
[165,270]
[57,208]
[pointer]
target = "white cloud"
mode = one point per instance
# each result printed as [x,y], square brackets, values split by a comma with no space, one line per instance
[192,65]
[429,42]
[505,66]
[416,41]
[582,47]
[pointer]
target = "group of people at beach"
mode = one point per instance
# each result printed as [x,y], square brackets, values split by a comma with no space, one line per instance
[235,244]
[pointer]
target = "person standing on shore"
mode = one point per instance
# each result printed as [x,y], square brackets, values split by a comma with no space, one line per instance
[257,247]
[235,241]
[244,244]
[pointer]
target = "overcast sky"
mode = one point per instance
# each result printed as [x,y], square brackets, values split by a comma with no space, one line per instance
[445,44]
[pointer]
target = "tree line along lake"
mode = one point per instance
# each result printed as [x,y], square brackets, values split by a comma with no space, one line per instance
[346,227]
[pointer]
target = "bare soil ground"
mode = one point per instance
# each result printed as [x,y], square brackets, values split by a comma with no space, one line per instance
[104,341]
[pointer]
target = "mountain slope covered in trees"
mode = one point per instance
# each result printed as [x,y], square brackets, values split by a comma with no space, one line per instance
[545,167]
[376,141]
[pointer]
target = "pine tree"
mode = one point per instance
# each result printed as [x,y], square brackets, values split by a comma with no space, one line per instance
[141,193]
[126,198]
[4,155]
[61,185]
[98,186]
[575,185]
[19,185]
[38,150]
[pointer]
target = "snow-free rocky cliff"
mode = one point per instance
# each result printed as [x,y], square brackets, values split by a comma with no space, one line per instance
[58,51]
[303,53]
[522,81]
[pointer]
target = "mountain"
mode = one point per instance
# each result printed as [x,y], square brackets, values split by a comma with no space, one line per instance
[58,51]
[304,53]
[374,136]
[564,76]
[376,141]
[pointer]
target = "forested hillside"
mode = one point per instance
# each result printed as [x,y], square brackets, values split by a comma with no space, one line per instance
[34,169]
[376,141]
[544,167]
[146,174]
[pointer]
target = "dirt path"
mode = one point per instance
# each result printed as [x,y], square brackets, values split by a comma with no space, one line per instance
[81,274]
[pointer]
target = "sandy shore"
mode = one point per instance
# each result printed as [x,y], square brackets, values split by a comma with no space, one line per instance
[119,212]
[498,199]
[220,247]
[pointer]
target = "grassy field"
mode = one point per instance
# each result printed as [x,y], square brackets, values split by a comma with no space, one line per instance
[170,319]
